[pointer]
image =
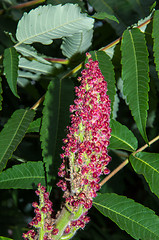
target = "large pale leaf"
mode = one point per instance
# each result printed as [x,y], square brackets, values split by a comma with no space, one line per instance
[24,176]
[155,35]
[12,134]
[35,66]
[30,51]
[138,221]
[10,63]
[51,22]
[25,76]
[122,137]
[77,43]
[135,67]
[55,119]
[148,165]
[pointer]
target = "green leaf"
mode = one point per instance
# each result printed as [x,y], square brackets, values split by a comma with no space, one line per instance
[135,67]
[107,70]
[122,137]
[102,6]
[12,134]
[77,43]
[34,126]
[51,22]
[138,221]
[23,176]
[155,36]
[55,119]
[148,165]
[104,15]
[1,98]
[5,238]
[10,63]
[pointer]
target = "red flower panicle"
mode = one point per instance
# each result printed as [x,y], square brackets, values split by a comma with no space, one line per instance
[86,144]
[42,217]
[85,156]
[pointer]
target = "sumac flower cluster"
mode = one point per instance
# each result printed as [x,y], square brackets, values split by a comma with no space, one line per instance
[85,157]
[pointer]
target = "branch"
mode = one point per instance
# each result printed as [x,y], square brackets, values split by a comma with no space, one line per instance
[23,5]
[123,164]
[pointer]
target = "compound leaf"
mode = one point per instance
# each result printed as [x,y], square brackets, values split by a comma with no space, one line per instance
[148,165]
[12,134]
[54,121]
[122,137]
[23,176]
[138,221]
[135,67]
[51,22]
[77,43]
[10,63]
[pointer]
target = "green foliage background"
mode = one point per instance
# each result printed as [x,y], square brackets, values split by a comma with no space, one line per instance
[133,86]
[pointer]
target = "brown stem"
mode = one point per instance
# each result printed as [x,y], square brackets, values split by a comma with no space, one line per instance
[36,105]
[23,5]
[123,164]
[27,4]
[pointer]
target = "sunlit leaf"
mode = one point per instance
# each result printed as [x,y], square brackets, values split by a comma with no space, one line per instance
[30,51]
[122,137]
[10,63]
[77,43]
[51,22]
[148,165]
[138,221]
[34,66]
[23,176]
[12,134]
[135,67]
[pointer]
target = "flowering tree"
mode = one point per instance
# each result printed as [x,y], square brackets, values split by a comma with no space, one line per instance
[80,122]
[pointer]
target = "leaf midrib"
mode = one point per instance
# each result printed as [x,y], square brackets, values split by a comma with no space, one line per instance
[120,139]
[21,178]
[52,29]
[7,149]
[137,87]
[124,216]
[150,166]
